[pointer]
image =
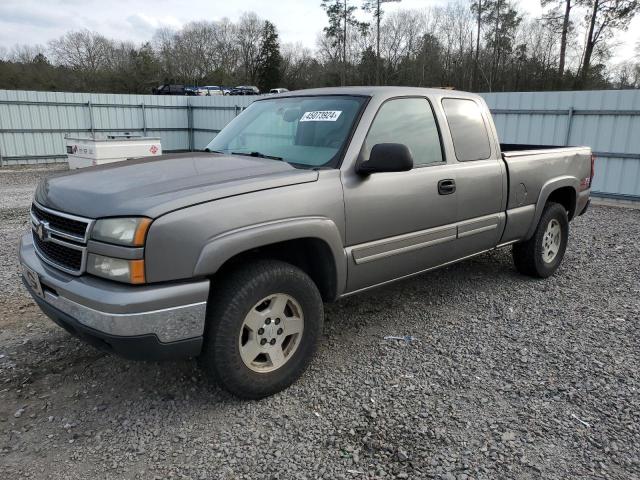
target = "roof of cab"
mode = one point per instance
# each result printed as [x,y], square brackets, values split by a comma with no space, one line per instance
[380,91]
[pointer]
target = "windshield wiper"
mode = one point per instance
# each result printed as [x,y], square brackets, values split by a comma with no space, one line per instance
[257,154]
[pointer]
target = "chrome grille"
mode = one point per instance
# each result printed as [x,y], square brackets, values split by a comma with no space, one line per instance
[62,224]
[60,239]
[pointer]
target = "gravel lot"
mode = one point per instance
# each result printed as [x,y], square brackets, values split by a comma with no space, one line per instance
[508,377]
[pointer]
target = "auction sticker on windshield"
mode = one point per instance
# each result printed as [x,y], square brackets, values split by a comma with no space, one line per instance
[321,116]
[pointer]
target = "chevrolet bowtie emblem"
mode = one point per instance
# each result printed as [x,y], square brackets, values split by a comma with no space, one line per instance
[42,230]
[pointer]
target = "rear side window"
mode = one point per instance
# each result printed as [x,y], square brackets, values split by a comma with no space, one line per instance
[409,121]
[468,131]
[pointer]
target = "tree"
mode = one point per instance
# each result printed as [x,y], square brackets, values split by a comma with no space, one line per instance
[270,59]
[83,49]
[476,8]
[503,19]
[375,7]
[490,45]
[553,18]
[248,35]
[402,31]
[27,53]
[603,18]
[341,16]
[626,75]
[300,67]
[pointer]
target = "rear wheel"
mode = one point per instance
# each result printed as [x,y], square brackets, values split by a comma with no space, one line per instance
[541,255]
[263,326]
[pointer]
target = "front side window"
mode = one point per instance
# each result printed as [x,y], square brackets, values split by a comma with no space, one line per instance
[304,131]
[468,131]
[409,121]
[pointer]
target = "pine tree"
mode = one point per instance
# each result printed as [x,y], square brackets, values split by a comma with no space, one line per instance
[560,16]
[501,20]
[341,16]
[270,59]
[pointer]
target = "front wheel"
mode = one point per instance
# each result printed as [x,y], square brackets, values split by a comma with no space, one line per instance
[263,325]
[541,255]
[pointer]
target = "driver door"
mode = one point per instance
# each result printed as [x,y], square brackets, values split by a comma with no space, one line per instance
[401,223]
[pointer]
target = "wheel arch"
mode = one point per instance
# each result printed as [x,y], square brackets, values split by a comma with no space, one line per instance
[563,190]
[313,244]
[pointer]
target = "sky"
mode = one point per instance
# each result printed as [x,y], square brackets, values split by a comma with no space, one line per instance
[38,21]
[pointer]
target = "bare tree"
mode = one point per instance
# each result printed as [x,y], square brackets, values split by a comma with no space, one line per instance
[26,53]
[603,18]
[82,49]
[401,33]
[195,51]
[227,52]
[248,36]
[163,40]
[454,27]
[298,66]
[626,75]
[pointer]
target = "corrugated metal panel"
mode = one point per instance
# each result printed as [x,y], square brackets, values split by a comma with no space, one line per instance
[33,124]
[211,114]
[607,121]
[32,131]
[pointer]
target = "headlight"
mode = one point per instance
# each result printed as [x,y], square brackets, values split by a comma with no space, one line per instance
[129,271]
[122,231]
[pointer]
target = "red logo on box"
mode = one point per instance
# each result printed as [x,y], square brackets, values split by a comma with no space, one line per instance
[153,149]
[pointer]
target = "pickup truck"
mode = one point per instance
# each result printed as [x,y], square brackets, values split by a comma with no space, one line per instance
[229,254]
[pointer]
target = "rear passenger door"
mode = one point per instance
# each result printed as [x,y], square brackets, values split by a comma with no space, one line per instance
[399,223]
[480,176]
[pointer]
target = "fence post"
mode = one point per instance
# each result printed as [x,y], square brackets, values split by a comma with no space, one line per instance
[237,110]
[190,124]
[144,119]
[1,165]
[91,127]
[569,122]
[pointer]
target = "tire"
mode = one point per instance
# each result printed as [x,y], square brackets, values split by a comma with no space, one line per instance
[261,301]
[535,257]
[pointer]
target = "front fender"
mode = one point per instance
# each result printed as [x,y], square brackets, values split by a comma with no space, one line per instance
[225,246]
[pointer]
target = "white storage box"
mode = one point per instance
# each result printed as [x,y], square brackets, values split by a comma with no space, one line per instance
[86,152]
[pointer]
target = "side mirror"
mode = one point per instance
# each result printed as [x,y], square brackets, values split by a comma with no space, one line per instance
[387,157]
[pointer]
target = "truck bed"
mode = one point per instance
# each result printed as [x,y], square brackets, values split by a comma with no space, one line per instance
[530,166]
[517,149]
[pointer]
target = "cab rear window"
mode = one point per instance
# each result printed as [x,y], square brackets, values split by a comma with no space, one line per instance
[468,130]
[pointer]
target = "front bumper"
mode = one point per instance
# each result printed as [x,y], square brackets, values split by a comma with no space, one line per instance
[141,322]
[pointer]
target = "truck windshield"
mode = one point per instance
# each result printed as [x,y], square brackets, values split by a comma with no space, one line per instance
[304,131]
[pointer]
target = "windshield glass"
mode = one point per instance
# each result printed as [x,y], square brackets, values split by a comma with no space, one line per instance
[305,131]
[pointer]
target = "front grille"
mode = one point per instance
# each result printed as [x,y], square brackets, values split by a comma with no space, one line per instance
[60,239]
[61,255]
[61,223]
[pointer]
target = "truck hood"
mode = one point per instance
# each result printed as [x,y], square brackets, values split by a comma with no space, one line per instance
[157,185]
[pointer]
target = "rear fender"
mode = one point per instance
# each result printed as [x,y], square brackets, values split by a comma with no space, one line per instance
[547,189]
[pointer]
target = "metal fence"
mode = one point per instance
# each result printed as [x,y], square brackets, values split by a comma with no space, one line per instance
[607,121]
[33,125]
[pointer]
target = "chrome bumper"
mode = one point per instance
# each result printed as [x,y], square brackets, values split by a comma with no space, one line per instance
[171,312]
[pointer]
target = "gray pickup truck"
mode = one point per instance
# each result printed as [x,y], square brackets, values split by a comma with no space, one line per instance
[306,197]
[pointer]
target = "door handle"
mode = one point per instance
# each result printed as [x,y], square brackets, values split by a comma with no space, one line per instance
[447,186]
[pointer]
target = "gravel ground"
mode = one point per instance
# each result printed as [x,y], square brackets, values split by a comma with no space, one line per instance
[508,377]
